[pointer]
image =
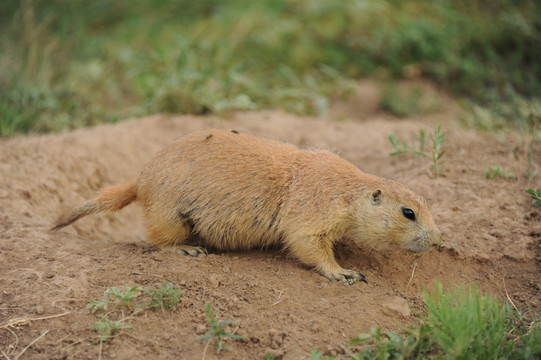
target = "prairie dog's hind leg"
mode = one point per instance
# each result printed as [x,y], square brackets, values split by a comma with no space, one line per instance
[187,250]
[171,235]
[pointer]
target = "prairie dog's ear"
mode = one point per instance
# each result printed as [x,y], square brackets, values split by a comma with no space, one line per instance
[375,198]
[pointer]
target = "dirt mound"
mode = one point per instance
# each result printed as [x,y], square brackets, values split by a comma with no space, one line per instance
[493,232]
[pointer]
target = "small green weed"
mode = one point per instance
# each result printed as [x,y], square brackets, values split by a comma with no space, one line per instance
[494,171]
[95,305]
[217,330]
[536,196]
[318,355]
[419,149]
[165,298]
[392,346]
[124,298]
[106,328]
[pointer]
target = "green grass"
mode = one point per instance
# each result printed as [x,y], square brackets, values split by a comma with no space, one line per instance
[68,64]
[419,148]
[459,324]
[408,101]
[495,170]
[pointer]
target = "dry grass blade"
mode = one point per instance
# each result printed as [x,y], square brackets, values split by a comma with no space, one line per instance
[15,345]
[509,298]
[279,300]
[32,343]
[32,271]
[411,278]
[24,321]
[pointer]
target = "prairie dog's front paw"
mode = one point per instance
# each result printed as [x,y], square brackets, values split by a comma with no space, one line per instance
[345,276]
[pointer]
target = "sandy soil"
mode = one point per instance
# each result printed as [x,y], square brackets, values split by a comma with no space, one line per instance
[492,230]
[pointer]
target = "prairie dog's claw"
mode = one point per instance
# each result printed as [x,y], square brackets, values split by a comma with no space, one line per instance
[346,276]
[187,250]
[358,277]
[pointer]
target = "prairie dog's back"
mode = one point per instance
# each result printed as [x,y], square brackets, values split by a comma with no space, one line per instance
[213,180]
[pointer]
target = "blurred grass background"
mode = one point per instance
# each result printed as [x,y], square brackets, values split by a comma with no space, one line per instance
[72,63]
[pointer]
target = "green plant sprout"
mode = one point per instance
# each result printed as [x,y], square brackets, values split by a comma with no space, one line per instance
[494,171]
[95,305]
[165,298]
[536,196]
[217,330]
[318,355]
[437,139]
[106,328]
[392,346]
[124,298]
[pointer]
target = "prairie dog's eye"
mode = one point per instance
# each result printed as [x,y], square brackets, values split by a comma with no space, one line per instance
[408,214]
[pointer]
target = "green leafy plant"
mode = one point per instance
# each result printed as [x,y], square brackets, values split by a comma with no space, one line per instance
[165,298]
[390,346]
[95,305]
[130,298]
[106,327]
[419,148]
[217,331]
[536,196]
[494,171]
[123,298]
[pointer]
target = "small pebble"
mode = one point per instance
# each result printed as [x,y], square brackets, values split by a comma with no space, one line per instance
[201,329]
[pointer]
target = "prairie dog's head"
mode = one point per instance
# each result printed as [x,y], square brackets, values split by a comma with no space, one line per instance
[393,216]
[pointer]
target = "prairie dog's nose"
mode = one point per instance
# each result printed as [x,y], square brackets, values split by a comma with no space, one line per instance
[438,239]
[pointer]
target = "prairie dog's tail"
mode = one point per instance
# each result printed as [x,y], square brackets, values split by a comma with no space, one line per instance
[111,199]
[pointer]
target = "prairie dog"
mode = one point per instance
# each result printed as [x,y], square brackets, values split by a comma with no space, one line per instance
[233,191]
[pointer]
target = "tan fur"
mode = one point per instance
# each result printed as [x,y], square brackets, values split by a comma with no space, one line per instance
[234,191]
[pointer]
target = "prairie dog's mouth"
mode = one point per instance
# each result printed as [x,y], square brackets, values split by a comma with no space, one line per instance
[418,244]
